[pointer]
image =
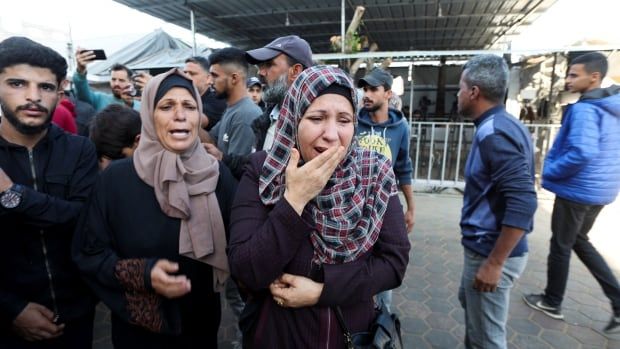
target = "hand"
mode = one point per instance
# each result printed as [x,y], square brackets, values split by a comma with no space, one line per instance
[36,323]
[169,286]
[127,95]
[409,220]
[5,181]
[488,276]
[295,291]
[141,79]
[212,149]
[204,121]
[306,182]
[82,58]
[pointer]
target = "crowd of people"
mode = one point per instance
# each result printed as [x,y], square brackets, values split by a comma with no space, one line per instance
[278,190]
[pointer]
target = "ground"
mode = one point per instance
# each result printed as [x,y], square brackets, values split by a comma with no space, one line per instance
[427,302]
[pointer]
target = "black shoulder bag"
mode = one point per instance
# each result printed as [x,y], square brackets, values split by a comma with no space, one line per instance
[384,332]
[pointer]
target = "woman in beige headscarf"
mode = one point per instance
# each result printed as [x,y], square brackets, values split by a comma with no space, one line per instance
[152,241]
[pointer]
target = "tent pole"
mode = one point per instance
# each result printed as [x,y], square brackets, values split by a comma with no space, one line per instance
[342,19]
[192,22]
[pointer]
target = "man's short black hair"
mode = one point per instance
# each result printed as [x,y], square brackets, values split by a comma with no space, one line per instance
[230,55]
[118,66]
[202,61]
[114,128]
[20,50]
[593,62]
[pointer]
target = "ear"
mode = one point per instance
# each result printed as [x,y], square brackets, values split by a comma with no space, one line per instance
[136,141]
[294,71]
[596,77]
[475,92]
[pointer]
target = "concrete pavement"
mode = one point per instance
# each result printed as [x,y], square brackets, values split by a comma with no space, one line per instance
[428,305]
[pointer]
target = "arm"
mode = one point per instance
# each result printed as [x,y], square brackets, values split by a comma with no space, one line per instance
[384,268]
[83,92]
[44,210]
[262,240]
[410,213]
[581,143]
[490,271]
[133,288]
[512,176]
[403,170]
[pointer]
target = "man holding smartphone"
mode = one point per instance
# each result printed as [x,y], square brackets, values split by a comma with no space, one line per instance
[120,83]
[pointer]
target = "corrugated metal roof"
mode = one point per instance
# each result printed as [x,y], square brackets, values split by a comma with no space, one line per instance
[395,25]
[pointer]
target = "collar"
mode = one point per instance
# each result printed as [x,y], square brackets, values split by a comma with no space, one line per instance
[275,112]
[488,113]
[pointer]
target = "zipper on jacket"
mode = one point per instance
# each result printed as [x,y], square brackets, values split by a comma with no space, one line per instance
[48,269]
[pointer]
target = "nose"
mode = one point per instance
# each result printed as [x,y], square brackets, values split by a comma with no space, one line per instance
[34,94]
[262,71]
[330,131]
[180,114]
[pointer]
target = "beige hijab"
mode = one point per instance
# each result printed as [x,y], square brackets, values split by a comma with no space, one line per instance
[184,185]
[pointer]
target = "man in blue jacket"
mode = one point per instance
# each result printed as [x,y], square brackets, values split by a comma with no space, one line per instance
[45,178]
[583,170]
[498,204]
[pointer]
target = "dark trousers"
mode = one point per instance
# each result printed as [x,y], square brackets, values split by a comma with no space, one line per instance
[570,224]
[78,334]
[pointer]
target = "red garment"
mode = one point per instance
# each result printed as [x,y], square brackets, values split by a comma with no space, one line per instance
[64,116]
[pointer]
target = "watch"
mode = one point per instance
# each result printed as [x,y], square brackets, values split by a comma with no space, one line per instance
[11,197]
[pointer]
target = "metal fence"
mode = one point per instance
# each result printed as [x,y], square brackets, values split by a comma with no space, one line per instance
[439,151]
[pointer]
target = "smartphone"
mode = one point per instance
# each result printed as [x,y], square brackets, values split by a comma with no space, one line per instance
[99,55]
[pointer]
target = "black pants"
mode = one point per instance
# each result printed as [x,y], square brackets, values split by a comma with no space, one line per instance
[78,334]
[570,224]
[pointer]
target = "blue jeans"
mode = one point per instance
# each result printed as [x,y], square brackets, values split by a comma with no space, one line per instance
[486,312]
[384,297]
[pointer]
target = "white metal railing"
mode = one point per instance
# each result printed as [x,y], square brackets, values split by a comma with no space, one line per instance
[439,150]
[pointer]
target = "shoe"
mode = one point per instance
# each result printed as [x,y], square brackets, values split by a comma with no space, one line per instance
[613,326]
[537,301]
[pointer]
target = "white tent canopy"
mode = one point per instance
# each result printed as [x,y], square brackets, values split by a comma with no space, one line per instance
[156,50]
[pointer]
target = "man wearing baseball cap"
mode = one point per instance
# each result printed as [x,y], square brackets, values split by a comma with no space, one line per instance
[255,90]
[279,64]
[385,130]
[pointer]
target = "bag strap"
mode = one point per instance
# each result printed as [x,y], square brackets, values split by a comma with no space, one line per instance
[348,339]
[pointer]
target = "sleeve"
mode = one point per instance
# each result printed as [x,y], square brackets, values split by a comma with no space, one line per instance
[512,176]
[11,305]
[581,143]
[124,285]
[262,241]
[83,91]
[403,167]
[43,210]
[215,131]
[383,269]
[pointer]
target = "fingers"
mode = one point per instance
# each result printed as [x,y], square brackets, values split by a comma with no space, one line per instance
[332,160]
[167,266]
[170,286]
[293,161]
[48,314]
[287,279]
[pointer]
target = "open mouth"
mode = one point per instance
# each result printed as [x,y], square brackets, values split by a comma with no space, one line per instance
[320,149]
[179,133]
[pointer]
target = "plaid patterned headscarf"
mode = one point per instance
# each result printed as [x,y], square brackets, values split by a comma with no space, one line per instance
[348,212]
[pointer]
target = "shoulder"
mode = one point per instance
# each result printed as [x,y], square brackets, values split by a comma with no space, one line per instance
[119,169]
